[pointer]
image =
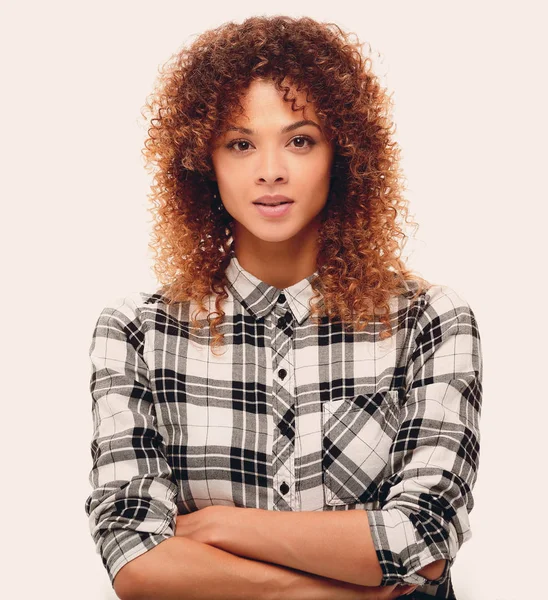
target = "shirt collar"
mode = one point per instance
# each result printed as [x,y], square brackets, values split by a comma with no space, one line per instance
[259,298]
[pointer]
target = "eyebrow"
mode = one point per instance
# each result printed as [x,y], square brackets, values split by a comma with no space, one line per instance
[285,129]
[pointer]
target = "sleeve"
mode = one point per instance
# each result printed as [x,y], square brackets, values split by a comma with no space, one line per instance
[426,496]
[132,506]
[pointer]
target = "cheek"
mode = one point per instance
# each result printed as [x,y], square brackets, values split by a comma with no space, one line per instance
[231,191]
[316,171]
[229,181]
[316,181]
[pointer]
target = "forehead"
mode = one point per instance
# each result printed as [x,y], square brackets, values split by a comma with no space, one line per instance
[261,100]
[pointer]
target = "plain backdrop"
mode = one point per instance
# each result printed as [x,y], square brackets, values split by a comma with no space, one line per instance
[468,84]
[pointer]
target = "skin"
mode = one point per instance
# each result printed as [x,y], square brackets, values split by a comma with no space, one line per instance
[209,525]
[279,251]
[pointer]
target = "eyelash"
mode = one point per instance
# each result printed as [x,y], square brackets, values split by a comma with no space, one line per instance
[233,143]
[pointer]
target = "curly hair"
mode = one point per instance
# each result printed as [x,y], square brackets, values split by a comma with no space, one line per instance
[360,238]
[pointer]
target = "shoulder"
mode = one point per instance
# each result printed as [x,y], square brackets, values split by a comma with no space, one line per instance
[131,308]
[435,311]
[443,298]
[435,297]
[445,313]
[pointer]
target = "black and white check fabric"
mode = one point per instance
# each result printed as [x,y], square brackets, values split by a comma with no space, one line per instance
[290,416]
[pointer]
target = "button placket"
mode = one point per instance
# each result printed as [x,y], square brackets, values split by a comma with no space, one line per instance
[283,407]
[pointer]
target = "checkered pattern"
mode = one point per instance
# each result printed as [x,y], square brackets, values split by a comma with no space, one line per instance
[291,416]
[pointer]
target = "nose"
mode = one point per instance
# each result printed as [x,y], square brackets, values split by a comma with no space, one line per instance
[271,167]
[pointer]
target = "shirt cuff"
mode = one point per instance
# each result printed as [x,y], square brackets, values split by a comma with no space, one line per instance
[120,546]
[399,551]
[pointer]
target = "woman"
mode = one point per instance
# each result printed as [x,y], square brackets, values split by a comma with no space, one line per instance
[293,409]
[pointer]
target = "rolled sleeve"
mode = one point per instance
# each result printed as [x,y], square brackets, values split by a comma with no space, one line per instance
[132,506]
[426,496]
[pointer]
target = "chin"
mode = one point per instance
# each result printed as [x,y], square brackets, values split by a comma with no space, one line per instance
[274,232]
[273,237]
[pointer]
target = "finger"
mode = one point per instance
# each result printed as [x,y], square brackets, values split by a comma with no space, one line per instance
[389,592]
[404,590]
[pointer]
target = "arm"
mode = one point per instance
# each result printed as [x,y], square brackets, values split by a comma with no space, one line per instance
[434,458]
[201,572]
[131,508]
[322,543]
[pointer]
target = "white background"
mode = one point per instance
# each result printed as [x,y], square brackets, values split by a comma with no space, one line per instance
[468,83]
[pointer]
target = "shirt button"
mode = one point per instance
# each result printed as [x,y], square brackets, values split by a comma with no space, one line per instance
[281,298]
[281,322]
[284,488]
[282,373]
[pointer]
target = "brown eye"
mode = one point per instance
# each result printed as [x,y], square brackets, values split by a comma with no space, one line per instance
[304,138]
[234,143]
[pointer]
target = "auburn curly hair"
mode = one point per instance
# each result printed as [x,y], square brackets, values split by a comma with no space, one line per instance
[360,238]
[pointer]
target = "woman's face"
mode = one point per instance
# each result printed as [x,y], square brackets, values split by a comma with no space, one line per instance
[261,156]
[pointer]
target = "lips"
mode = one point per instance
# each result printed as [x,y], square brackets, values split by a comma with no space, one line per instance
[274,211]
[272,200]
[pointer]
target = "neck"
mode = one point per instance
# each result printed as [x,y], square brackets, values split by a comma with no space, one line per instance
[280,264]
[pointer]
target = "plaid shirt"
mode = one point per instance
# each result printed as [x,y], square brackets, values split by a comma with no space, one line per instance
[291,416]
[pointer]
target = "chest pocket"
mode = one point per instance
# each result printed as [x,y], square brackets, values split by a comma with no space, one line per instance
[356,437]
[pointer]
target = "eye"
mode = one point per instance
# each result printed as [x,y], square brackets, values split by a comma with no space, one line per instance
[235,143]
[310,141]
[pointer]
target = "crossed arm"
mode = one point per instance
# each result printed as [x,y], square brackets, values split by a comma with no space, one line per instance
[336,545]
[443,403]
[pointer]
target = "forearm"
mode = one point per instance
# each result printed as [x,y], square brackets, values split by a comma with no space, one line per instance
[336,544]
[183,568]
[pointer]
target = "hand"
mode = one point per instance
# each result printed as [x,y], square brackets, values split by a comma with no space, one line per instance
[332,588]
[404,590]
[199,525]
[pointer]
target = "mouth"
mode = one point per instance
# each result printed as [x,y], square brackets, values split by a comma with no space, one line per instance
[277,209]
[272,203]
